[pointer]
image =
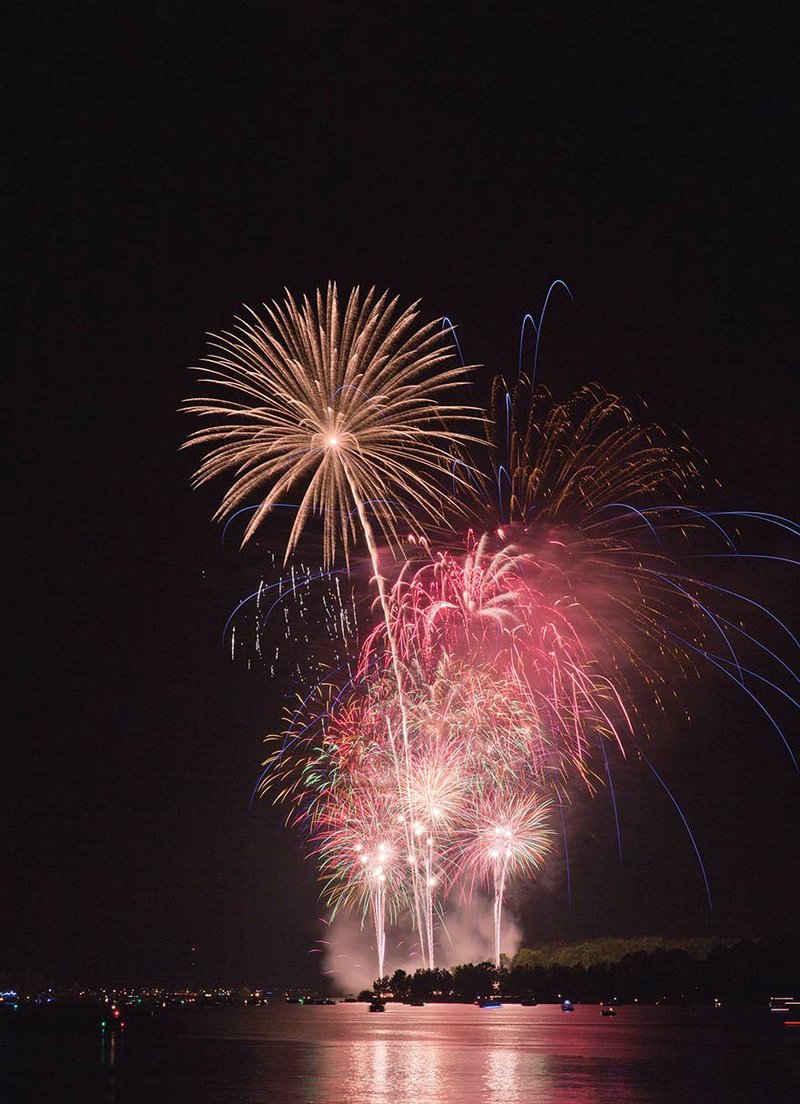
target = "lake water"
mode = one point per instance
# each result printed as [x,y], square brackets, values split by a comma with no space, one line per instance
[440,1054]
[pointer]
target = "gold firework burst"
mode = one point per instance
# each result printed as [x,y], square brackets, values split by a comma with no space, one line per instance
[337,403]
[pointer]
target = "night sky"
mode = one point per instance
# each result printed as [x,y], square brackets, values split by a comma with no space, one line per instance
[171,164]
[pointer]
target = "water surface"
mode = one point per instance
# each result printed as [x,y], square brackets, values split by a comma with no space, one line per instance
[440,1054]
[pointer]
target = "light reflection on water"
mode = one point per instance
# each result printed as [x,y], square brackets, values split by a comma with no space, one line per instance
[390,1072]
[500,1077]
[447,1054]
[457,1054]
[412,1070]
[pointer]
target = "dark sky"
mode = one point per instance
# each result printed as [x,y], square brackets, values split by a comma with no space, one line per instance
[170,164]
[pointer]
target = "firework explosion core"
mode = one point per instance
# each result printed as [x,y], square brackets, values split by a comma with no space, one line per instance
[533,601]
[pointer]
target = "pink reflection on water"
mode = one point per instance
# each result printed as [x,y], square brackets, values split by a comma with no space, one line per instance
[500,1077]
[457,1054]
[395,1070]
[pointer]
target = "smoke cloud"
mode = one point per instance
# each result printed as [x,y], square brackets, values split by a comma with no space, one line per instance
[466,935]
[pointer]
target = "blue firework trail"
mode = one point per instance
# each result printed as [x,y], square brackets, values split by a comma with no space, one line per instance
[753,697]
[448,327]
[537,325]
[602,744]
[689,832]
[566,858]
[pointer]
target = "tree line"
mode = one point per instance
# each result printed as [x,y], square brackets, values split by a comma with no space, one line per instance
[647,970]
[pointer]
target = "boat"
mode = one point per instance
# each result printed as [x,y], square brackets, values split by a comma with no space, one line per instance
[322,1000]
[567,1006]
[529,1002]
[607,1010]
[488,1002]
[377,1006]
[417,1003]
[788,1008]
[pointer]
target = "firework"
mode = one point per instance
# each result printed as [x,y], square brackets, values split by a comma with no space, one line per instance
[358,841]
[504,654]
[339,401]
[518,650]
[502,836]
[601,511]
[469,732]
[499,611]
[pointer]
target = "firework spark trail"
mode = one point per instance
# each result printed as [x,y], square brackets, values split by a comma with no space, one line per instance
[685,822]
[537,326]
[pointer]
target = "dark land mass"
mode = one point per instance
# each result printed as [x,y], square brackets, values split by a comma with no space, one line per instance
[645,970]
